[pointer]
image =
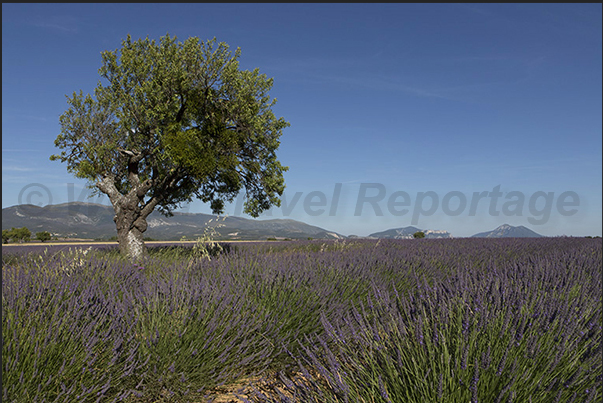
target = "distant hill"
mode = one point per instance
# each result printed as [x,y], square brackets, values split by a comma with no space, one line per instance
[408,232]
[95,221]
[508,231]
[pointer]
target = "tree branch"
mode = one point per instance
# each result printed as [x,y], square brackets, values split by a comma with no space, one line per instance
[134,157]
[149,207]
[107,186]
[181,111]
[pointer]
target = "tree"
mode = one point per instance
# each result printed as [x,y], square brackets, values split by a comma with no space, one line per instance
[174,121]
[43,236]
[24,234]
[419,234]
[17,234]
[6,235]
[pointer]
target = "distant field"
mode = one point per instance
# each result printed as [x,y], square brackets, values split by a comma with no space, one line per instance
[65,245]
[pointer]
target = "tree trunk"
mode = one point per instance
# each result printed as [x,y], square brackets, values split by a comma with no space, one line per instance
[131,224]
[130,214]
[131,244]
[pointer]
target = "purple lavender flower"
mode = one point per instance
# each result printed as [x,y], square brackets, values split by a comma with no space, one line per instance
[474,382]
[383,390]
[503,360]
[440,386]
[464,359]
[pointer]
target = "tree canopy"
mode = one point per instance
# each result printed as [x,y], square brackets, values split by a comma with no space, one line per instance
[173,121]
[180,117]
[43,236]
[22,234]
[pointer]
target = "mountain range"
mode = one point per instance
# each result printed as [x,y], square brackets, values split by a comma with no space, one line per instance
[408,233]
[95,221]
[508,231]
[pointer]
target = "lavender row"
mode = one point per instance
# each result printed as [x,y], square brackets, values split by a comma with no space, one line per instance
[408,320]
[522,324]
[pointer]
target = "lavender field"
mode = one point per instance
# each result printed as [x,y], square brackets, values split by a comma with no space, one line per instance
[422,320]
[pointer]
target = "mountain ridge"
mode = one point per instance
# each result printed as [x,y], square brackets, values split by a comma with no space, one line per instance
[95,221]
[408,233]
[508,231]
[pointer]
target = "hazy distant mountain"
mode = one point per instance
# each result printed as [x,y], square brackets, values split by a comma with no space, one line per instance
[395,233]
[408,232]
[436,233]
[508,231]
[93,221]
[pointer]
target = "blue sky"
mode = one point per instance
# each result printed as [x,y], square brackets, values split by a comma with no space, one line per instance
[401,114]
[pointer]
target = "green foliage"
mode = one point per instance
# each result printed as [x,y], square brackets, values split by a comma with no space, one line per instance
[23,234]
[419,234]
[176,120]
[43,236]
[16,234]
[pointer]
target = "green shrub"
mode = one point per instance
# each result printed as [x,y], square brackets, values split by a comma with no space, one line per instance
[16,234]
[43,236]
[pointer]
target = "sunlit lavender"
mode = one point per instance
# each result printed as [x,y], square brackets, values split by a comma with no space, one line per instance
[438,320]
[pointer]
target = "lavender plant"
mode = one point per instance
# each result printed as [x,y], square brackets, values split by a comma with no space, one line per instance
[420,320]
[526,331]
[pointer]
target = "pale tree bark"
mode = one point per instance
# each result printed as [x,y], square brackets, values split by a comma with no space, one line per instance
[131,211]
[131,223]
